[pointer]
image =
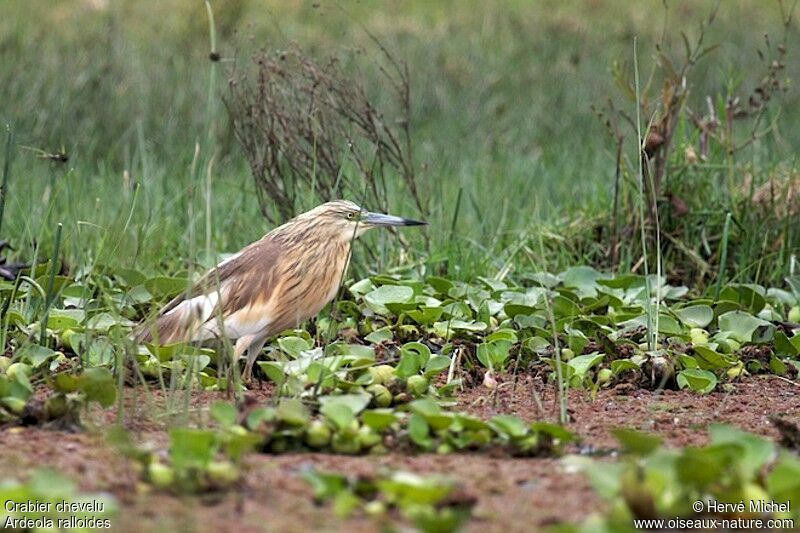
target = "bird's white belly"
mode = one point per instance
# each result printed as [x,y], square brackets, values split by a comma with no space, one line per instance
[235,326]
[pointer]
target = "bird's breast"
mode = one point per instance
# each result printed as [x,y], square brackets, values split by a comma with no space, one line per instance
[310,283]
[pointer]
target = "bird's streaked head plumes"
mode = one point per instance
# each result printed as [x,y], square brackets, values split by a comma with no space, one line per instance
[342,221]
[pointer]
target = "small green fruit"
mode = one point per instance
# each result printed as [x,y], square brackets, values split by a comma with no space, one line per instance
[369,438]
[604,376]
[13,404]
[736,371]
[794,314]
[5,362]
[381,374]
[66,337]
[401,398]
[698,336]
[160,475]
[318,434]
[567,354]
[56,406]
[417,385]
[351,431]
[344,444]
[222,473]
[381,397]
[18,368]
[378,449]
[375,508]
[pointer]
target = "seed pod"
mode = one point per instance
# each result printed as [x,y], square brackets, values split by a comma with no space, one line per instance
[381,397]
[222,473]
[381,374]
[318,434]
[417,385]
[344,444]
[161,476]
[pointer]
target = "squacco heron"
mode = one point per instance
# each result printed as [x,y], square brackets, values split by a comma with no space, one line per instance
[271,285]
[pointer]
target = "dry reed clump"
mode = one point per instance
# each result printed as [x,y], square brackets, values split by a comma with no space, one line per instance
[311,128]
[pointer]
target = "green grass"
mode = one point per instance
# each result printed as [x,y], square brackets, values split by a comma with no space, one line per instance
[502,97]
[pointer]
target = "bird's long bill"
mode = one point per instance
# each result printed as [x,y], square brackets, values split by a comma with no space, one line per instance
[379,219]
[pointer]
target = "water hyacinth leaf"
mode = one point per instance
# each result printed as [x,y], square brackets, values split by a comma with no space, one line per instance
[35,355]
[448,328]
[406,488]
[224,413]
[436,364]
[564,307]
[783,346]
[361,287]
[426,315]
[339,414]
[130,276]
[163,286]
[783,482]
[292,412]
[324,484]
[581,364]
[621,365]
[709,359]
[386,294]
[668,325]
[624,281]
[503,335]
[191,448]
[379,419]
[695,316]
[457,310]
[748,296]
[98,385]
[355,402]
[698,380]
[66,382]
[294,346]
[555,431]
[493,355]
[583,279]
[380,335]
[757,451]
[419,431]
[273,370]
[104,321]
[442,286]
[61,319]
[741,325]
[425,407]
[413,357]
[637,442]
[509,425]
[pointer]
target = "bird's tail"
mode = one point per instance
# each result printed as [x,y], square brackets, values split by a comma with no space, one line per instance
[175,326]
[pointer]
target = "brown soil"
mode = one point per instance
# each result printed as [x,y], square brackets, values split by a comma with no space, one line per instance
[512,494]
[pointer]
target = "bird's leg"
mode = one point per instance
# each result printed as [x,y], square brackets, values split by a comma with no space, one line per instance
[238,350]
[252,355]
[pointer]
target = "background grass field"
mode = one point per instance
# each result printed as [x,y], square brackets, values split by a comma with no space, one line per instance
[502,96]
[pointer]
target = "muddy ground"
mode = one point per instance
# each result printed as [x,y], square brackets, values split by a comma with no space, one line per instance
[512,494]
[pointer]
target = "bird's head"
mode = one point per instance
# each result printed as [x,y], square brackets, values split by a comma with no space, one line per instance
[344,220]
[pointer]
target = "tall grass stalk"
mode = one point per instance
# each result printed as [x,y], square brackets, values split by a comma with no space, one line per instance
[50,296]
[651,332]
[6,175]
[723,259]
